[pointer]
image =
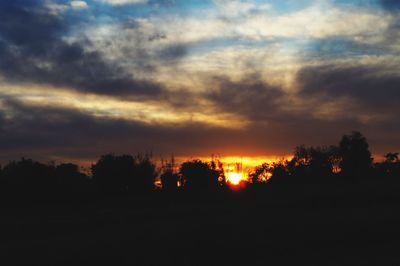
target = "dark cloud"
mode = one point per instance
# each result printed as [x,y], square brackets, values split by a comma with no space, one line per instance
[47,133]
[28,24]
[250,97]
[390,4]
[377,88]
[141,40]
[273,129]
[32,50]
[55,132]
[173,52]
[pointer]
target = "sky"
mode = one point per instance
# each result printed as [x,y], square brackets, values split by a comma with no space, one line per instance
[251,78]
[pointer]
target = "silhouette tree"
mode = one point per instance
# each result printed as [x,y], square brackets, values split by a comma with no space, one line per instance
[169,179]
[315,164]
[280,172]
[217,169]
[308,165]
[124,173]
[390,167]
[356,161]
[198,175]
[392,157]
[70,179]
[3,183]
[144,174]
[260,174]
[29,178]
[111,173]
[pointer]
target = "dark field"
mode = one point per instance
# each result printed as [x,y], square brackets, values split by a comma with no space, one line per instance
[299,225]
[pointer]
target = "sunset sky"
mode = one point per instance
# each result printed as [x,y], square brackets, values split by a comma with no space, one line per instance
[193,78]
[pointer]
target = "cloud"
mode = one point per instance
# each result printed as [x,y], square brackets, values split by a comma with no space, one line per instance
[232,21]
[390,4]
[374,87]
[123,2]
[236,8]
[57,132]
[234,78]
[79,5]
[172,52]
[331,102]
[33,50]
[53,132]
[251,98]
[56,9]
[173,109]
[47,133]
[150,46]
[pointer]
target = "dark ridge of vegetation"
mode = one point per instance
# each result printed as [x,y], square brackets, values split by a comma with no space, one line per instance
[348,163]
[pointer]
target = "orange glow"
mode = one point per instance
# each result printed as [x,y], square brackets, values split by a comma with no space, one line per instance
[234,178]
[229,162]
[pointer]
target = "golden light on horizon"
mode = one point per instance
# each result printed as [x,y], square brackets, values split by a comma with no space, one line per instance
[234,178]
[230,161]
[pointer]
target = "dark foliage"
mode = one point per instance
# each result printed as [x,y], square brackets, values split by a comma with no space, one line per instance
[389,169]
[169,179]
[314,164]
[260,174]
[28,177]
[348,163]
[144,175]
[198,175]
[124,173]
[356,160]
[71,180]
[111,173]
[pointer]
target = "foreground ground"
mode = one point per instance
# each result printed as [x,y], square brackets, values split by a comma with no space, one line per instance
[305,225]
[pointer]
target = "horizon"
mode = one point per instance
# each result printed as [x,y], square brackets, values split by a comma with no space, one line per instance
[247,163]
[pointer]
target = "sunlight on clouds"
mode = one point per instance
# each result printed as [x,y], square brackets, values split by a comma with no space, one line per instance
[274,64]
[151,112]
[255,23]
[328,108]
[56,9]
[276,41]
[314,22]
[78,5]
[235,8]
[123,2]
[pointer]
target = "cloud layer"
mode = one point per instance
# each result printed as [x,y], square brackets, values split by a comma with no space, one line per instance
[80,78]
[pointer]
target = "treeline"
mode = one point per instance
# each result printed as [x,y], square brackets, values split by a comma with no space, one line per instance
[110,175]
[348,162]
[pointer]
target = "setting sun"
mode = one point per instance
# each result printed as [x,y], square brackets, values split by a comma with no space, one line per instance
[234,178]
